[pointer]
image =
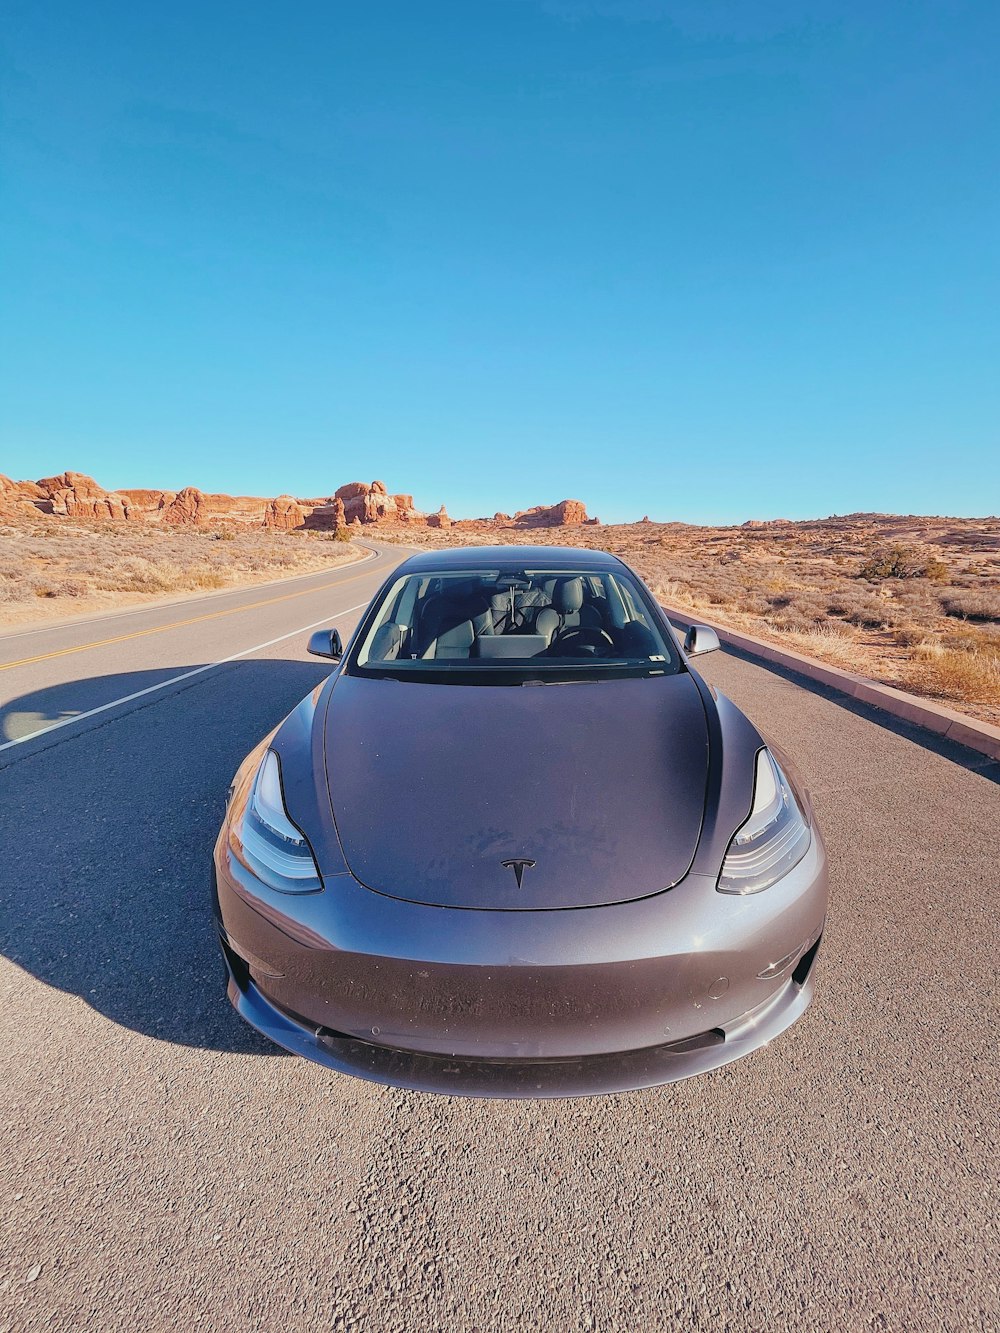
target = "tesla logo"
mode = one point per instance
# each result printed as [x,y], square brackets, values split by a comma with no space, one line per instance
[519,864]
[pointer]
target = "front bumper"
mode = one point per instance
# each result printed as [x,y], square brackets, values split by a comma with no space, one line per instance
[521,1004]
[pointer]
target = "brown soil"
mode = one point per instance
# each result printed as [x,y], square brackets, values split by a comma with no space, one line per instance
[56,568]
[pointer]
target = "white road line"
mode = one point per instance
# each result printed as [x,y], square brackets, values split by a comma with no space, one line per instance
[174,680]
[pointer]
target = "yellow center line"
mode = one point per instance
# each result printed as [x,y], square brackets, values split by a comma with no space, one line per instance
[176,624]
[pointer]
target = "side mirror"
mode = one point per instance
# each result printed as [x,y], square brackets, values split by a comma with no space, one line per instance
[326,643]
[700,639]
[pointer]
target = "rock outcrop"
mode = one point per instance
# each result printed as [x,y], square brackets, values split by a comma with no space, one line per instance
[354,505]
[186,509]
[75,495]
[439,520]
[11,500]
[145,501]
[325,515]
[284,513]
[372,503]
[31,491]
[567,513]
[239,506]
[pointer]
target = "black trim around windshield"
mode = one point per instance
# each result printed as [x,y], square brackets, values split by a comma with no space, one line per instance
[589,673]
[527,671]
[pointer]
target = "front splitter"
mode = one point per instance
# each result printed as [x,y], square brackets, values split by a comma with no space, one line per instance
[462,1076]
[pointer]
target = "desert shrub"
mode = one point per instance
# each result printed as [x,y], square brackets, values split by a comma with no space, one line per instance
[339,535]
[956,673]
[936,570]
[968,640]
[206,578]
[812,605]
[868,616]
[71,588]
[908,636]
[918,598]
[794,622]
[981,606]
[895,562]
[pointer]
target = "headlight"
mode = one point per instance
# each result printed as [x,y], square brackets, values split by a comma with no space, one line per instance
[266,841]
[772,841]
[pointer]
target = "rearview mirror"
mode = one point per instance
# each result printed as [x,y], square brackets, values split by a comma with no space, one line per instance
[326,643]
[700,639]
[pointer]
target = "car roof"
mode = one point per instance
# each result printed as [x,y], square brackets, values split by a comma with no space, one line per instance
[488,557]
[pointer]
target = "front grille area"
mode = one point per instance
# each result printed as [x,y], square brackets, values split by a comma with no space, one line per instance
[804,965]
[699,1042]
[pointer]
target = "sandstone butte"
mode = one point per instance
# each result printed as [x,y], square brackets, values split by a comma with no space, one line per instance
[357,504]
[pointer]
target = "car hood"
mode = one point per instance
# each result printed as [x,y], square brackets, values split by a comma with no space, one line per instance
[600,785]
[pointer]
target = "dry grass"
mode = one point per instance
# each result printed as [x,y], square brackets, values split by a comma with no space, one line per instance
[912,602]
[972,675]
[51,567]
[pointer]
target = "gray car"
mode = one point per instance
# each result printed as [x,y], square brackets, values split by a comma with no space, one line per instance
[516,846]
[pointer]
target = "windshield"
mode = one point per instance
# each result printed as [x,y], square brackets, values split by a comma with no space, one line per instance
[514,625]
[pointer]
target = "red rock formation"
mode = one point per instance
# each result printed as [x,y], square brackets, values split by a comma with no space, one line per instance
[75,495]
[10,497]
[324,515]
[146,501]
[439,520]
[373,504]
[30,490]
[239,506]
[61,482]
[246,508]
[567,513]
[187,508]
[284,513]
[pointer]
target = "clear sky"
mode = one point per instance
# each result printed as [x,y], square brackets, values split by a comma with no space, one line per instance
[701,260]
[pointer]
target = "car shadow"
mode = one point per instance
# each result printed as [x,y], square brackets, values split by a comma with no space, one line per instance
[108,832]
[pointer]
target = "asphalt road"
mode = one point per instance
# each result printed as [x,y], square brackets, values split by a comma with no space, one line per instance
[163,1167]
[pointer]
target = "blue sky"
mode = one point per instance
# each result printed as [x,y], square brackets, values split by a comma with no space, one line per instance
[702,260]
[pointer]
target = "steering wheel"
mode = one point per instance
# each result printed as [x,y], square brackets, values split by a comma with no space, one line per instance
[585,637]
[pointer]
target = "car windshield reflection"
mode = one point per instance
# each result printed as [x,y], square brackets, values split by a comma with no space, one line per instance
[515,624]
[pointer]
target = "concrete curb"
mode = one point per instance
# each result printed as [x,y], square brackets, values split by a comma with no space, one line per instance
[964,730]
